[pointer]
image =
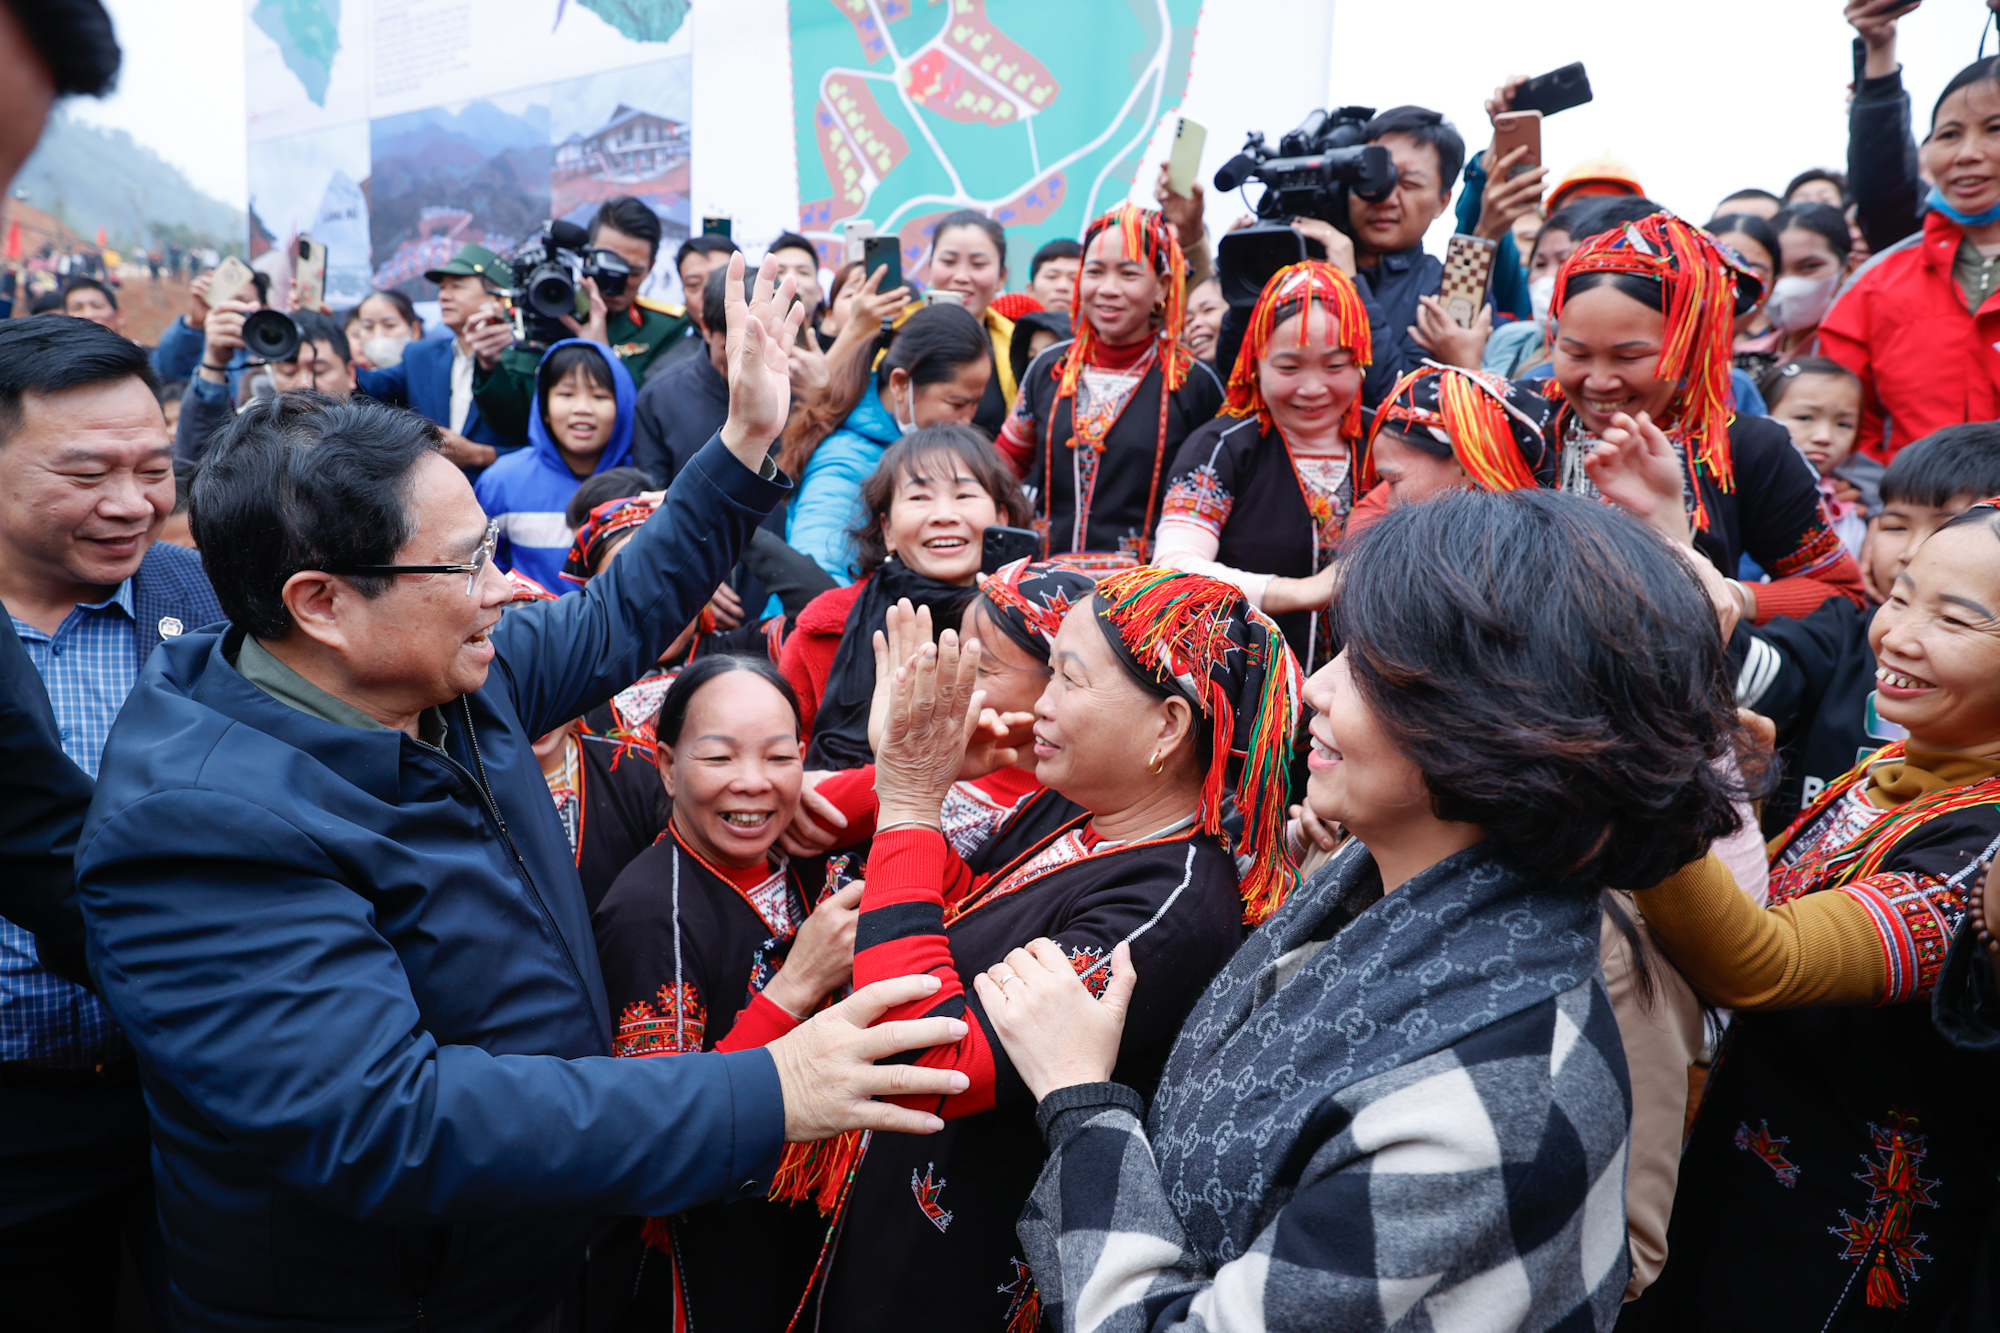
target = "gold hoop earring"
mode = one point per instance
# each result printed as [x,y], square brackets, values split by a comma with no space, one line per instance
[1156,765]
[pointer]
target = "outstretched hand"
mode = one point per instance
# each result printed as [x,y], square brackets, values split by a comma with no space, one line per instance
[1634,466]
[905,629]
[1056,1032]
[827,1070]
[933,708]
[761,333]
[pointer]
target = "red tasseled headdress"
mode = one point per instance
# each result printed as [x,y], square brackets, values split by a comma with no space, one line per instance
[1201,637]
[1495,428]
[1146,236]
[1292,290]
[1698,283]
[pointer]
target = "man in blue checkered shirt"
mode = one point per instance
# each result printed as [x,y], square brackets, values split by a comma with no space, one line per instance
[86,480]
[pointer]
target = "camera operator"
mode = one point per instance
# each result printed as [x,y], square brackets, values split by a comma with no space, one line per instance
[635,328]
[210,399]
[434,376]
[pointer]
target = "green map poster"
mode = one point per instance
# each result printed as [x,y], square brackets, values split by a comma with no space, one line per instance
[909,109]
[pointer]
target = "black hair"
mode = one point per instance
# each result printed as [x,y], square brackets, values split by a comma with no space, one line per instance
[841,277]
[1425,126]
[45,354]
[1595,221]
[348,319]
[1565,220]
[629,215]
[74,39]
[89,284]
[708,243]
[1979,71]
[791,240]
[405,307]
[933,345]
[1811,174]
[1062,247]
[172,391]
[614,483]
[557,365]
[1988,517]
[325,329]
[715,301]
[963,445]
[184,475]
[970,217]
[1749,224]
[672,717]
[302,481]
[1593,217]
[1823,219]
[1559,680]
[1778,380]
[1955,461]
[1752,193]
[48,303]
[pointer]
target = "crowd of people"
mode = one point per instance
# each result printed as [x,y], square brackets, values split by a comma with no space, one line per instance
[1092,806]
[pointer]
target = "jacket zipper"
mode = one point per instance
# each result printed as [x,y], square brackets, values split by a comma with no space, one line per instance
[493,809]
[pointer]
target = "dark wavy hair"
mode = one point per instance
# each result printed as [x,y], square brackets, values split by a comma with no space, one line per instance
[942,450]
[1557,674]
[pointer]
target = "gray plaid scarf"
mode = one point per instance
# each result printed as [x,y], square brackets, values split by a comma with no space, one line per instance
[1282,1028]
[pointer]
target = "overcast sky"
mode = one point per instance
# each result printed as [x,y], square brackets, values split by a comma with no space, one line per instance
[1700,97]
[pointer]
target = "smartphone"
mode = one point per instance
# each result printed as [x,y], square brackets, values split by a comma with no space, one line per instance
[715,224]
[1004,545]
[1517,129]
[310,273]
[854,231]
[1185,160]
[938,296]
[227,280]
[1468,267]
[1557,90]
[883,252]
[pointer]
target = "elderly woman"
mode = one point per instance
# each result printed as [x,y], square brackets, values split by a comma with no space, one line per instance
[1403,1104]
[1168,700]
[709,942]
[1259,496]
[1852,1142]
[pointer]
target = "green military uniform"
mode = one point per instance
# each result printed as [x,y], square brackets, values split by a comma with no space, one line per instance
[506,394]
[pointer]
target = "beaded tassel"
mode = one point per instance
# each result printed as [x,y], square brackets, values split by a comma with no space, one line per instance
[1473,411]
[1294,290]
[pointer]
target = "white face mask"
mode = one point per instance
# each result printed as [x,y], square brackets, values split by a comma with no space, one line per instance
[384,352]
[1542,292]
[1798,304]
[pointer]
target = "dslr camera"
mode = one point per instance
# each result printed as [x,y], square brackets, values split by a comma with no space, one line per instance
[548,281]
[1310,174]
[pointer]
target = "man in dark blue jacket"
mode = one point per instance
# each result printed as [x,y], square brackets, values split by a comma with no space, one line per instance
[326,891]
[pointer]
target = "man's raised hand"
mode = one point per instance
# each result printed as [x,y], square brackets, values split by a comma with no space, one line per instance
[760,334]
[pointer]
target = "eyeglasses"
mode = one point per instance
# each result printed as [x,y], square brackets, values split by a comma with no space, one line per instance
[471,571]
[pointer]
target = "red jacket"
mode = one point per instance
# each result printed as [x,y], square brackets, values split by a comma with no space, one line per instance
[1925,361]
[807,659]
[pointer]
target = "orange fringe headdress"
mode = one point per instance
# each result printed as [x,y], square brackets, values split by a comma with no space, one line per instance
[1292,290]
[1495,429]
[1698,281]
[1146,236]
[1201,638]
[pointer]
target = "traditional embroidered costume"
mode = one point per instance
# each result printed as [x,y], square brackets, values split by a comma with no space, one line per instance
[612,807]
[927,1223]
[687,948]
[1845,1146]
[1095,427]
[1748,489]
[1245,504]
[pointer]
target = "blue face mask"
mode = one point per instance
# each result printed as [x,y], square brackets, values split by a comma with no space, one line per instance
[1936,201]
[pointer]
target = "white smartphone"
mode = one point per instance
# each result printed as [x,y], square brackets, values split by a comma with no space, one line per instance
[1185,159]
[854,237]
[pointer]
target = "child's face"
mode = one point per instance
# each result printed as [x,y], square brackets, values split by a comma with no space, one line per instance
[1896,532]
[581,414]
[1823,413]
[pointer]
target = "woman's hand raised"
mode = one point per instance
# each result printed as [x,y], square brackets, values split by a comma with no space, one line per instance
[904,631]
[933,707]
[1056,1032]
[761,334]
[1635,467]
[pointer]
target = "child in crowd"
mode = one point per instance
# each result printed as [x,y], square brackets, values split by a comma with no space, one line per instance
[1815,677]
[582,425]
[1819,402]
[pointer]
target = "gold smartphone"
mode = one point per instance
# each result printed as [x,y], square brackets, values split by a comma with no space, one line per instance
[310,272]
[227,280]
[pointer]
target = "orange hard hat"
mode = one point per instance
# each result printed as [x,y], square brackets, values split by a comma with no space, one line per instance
[1607,174]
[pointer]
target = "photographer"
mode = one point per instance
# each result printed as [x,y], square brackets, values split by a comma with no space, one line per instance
[210,400]
[635,329]
[434,377]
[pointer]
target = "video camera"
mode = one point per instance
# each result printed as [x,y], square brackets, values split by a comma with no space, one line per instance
[1310,174]
[548,277]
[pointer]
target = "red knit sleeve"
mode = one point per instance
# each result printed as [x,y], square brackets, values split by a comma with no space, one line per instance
[760,1022]
[1799,597]
[911,873]
[852,791]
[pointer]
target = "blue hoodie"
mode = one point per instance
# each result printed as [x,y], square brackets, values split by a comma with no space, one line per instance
[823,514]
[528,489]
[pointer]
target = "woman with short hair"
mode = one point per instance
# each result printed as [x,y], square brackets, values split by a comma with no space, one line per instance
[1404,1102]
